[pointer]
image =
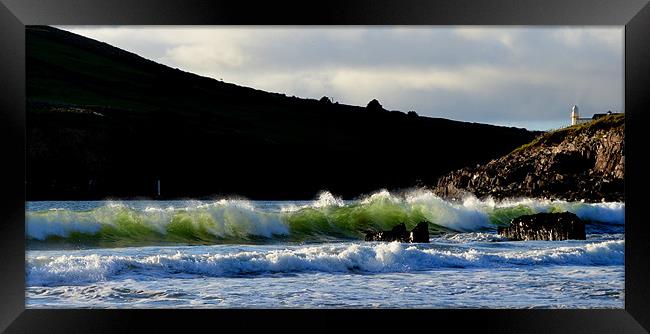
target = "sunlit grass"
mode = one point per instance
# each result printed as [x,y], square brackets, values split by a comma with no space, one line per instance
[555,136]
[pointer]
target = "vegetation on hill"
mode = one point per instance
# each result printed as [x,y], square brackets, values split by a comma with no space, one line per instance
[580,162]
[614,121]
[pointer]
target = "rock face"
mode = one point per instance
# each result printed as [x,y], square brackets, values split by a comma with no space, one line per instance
[582,162]
[399,233]
[545,226]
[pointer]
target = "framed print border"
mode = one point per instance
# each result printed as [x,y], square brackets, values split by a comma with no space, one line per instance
[15,14]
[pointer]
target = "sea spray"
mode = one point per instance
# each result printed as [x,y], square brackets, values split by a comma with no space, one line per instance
[326,218]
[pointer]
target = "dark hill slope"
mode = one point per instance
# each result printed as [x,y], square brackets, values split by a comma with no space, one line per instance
[105,122]
[581,162]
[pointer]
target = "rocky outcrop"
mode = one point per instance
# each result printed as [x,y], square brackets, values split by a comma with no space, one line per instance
[582,162]
[545,226]
[399,233]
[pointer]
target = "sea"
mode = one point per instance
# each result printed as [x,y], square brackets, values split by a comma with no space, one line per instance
[238,253]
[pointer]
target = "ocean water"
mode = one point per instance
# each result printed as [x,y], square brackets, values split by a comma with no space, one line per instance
[235,253]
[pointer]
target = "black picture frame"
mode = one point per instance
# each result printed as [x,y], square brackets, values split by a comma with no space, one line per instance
[15,14]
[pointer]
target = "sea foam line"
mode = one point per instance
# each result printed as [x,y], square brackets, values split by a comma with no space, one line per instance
[372,258]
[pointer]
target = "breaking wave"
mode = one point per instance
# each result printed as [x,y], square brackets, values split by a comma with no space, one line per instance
[341,258]
[326,218]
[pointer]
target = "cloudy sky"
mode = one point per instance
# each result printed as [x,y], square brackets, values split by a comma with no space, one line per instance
[516,76]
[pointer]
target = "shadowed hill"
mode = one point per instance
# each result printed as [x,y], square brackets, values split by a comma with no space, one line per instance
[103,122]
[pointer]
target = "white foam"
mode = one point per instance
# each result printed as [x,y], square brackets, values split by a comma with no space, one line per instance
[369,258]
[326,199]
[462,238]
[459,217]
[607,212]
[59,223]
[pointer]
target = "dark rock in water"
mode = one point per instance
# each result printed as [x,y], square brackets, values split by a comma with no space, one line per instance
[545,226]
[420,233]
[399,233]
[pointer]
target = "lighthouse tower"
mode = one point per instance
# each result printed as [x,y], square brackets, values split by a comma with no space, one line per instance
[575,116]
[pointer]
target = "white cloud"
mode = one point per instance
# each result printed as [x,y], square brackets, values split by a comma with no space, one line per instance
[506,75]
[202,58]
[575,37]
[505,36]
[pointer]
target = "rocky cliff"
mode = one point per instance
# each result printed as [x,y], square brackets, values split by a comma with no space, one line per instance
[581,162]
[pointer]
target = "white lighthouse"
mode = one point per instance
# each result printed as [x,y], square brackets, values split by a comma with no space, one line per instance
[575,116]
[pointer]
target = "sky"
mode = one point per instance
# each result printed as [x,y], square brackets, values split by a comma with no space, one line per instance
[515,76]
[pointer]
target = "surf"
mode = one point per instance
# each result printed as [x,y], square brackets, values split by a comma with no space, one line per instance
[359,258]
[324,219]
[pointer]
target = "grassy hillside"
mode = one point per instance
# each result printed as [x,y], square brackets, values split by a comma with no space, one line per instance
[610,122]
[103,122]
